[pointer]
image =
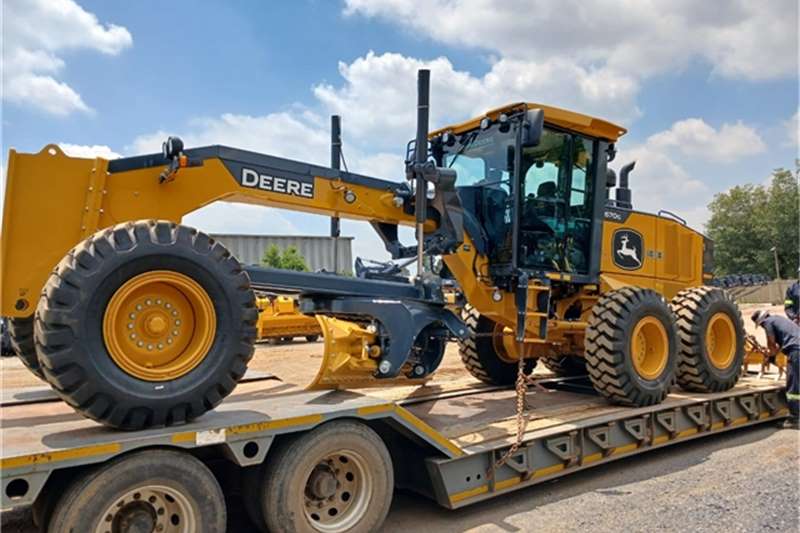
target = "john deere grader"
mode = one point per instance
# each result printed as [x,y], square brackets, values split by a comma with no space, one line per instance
[137,320]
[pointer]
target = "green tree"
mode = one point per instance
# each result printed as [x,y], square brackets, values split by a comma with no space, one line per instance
[272,257]
[293,260]
[289,259]
[748,220]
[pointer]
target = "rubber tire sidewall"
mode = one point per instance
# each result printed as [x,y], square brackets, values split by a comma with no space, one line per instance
[498,371]
[92,492]
[717,380]
[661,312]
[285,475]
[190,395]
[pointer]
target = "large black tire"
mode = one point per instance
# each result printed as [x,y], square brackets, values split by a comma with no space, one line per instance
[288,471]
[694,308]
[175,482]
[565,365]
[609,357]
[479,355]
[20,331]
[72,348]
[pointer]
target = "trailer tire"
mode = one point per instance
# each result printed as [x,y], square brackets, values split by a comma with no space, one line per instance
[82,323]
[20,332]
[711,339]
[312,338]
[479,353]
[301,471]
[632,347]
[145,488]
[565,365]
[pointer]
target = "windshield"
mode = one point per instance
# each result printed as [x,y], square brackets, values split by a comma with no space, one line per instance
[484,165]
[555,187]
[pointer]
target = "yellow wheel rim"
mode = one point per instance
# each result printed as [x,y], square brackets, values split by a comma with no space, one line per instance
[159,325]
[649,348]
[720,340]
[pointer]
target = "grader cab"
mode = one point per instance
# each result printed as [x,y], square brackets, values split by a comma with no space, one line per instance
[140,321]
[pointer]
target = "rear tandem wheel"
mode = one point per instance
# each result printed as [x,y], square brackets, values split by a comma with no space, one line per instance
[167,491]
[336,478]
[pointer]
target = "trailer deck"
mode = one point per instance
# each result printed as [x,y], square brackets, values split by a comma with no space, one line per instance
[466,426]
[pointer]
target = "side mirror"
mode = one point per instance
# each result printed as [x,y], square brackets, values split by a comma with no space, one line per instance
[532,128]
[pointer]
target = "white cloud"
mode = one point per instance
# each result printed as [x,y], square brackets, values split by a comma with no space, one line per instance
[693,137]
[739,39]
[661,179]
[378,95]
[34,31]
[88,151]
[283,134]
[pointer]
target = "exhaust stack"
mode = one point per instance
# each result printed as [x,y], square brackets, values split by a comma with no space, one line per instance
[623,193]
[420,158]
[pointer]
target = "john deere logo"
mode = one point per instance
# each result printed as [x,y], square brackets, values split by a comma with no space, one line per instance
[627,245]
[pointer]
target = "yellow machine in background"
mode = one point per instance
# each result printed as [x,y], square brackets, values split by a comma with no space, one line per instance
[279,320]
[141,321]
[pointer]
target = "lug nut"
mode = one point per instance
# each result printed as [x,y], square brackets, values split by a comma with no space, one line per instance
[384,367]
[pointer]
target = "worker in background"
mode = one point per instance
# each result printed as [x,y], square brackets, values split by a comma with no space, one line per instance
[792,302]
[783,335]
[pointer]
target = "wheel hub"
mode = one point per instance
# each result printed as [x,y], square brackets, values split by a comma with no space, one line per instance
[720,340]
[149,509]
[323,483]
[159,325]
[337,492]
[649,348]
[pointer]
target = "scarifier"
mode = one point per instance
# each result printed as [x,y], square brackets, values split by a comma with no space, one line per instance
[138,321]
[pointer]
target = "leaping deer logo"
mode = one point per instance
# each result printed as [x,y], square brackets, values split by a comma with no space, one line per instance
[626,251]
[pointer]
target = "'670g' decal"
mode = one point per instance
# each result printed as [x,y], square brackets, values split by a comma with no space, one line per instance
[266,182]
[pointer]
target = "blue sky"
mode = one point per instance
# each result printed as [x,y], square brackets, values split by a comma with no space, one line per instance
[708,91]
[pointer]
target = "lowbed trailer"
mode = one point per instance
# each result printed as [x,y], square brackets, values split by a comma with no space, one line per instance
[444,440]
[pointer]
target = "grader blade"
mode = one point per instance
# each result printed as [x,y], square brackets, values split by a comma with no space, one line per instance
[350,359]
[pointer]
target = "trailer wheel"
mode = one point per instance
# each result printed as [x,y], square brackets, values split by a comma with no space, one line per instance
[336,478]
[146,324]
[632,347]
[565,365]
[151,490]
[312,338]
[20,332]
[483,354]
[711,339]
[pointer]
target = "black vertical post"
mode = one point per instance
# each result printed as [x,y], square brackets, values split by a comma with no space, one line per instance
[336,159]
[421,157]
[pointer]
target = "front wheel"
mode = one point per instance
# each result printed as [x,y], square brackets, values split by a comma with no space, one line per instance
[146,324]
[483,353]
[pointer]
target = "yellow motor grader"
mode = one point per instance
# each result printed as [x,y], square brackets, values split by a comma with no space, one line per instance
[137,320]
[280,320]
